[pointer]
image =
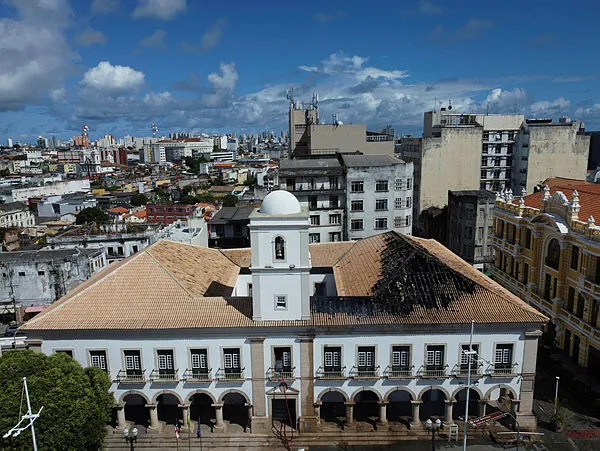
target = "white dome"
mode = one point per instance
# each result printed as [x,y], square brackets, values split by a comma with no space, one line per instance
[280,202]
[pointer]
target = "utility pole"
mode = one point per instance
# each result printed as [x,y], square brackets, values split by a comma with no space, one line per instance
[469,357]
[16,431]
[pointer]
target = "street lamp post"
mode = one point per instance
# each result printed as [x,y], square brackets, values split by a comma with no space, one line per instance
[433,426]
[556,396]
[130,436]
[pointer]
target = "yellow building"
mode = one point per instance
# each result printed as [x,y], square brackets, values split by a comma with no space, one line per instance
[547,252]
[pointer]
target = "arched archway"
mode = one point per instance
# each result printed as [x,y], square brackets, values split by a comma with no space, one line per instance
[461,403]
[135,408]
[332,405]
[201,408]
[500,399]
[399,405]
[167,408]
[434,403]
[366,405]
[235,410]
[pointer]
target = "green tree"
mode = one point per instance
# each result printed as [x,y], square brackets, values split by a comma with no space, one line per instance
[92,214]
[137,200]
[76,401]
[229,200]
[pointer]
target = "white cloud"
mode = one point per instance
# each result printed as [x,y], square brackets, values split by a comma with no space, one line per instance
[158,99]
[58,95]
[105,6]
[161,9]
[502,101]
[90,37]
[222,85]
[106,77]
[211,38]
[558,106]
[427,7]
[155,40]
[36,55]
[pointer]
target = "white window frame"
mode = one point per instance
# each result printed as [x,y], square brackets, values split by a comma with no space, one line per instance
[277,302]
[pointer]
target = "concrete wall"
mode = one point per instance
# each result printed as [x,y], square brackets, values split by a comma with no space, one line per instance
[66,187]
[330,138]
[451,162]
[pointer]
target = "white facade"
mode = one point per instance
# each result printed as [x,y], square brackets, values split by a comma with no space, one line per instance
[15,215]
[61,187]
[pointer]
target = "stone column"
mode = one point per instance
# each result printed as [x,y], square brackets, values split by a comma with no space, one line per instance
[349,413]
[153,416]
[525,415]
[219,425]
[416,420]
[121,423]
[309,420]
[382,423]
[259,421]
[185,408]
[482,407]
[449,411]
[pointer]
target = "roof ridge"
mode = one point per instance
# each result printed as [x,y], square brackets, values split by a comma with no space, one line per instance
[344,254]
[169,272]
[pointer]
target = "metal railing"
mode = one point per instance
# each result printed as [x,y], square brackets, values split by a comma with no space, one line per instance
[197,375]
[362,373]
[398,373]
[502,369]
[164,376]
[123,377]
[434,371]
[277,374]
[230,375]
[331,374]
[463,371]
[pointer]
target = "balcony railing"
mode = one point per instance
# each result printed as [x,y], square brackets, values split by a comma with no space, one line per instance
[459,371]
[357,372]
[164,376]
[331,374]
[502,370]
[123,377]
[230,375]
[197,375]
[278,374]
[432,372]
[398,373]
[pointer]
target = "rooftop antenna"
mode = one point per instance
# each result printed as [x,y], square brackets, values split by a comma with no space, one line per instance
[85,130]
[487,111]
[315,101]
[154,129]
[289,94]
[449,104]
[16,430]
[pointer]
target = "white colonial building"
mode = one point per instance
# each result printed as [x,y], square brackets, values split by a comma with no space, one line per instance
[308,335]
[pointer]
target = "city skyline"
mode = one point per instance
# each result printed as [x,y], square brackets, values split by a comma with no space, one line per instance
[118,66]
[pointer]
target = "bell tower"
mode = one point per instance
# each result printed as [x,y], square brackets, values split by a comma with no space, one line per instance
[280,259]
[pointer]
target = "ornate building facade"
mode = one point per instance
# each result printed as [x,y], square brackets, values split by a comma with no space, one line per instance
[547,252]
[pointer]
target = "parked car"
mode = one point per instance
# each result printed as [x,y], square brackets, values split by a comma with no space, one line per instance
[12,330]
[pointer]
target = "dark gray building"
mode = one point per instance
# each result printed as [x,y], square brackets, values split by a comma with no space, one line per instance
[228,228]
[470,226]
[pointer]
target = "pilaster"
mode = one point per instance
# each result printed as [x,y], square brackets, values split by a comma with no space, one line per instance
[309,420]
[258,419]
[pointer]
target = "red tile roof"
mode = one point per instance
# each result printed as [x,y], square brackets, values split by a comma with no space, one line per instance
[589,196]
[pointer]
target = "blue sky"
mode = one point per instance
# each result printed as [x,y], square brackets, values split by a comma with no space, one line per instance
[206,66]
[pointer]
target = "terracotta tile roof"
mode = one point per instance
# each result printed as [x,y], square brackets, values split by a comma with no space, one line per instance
[118,210]
[140,214]
[172,285]
[589,196]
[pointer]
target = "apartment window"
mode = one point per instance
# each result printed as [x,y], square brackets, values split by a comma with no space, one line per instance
[231,360]
[408,220]
[333,202]
[356,205]
[525,273]
[98,359]
[283,359]
[580,306]
[133,364]
[199,360]
[279,248]
[574,257]
[333,182]
[503,357]
[380,223]
[398,184]
[553,254]
[356,224]
[165,362]
[41,273]
[314,237]
[335,219]
[312,203]
[366,358]
[408,202]
[465,357]
[400,358]
[332,358]
[570,299]
[409,183]
[398,222]
[398,203]
[315,220]
[335,236]
[381,204]
[357,187]
[134,248]
[381,185]
[528,238]
[435,358]
[280,302]
[21,273]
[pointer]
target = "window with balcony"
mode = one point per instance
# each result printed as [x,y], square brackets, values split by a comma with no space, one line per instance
[315,220]
[332,360]
[357,187]
[381,185]
[335,219]
[553,254]
[231,362]
[333,202]
[381,204]
[282,363]
[356,224]
[166,366]
[133,366]
[365,361]
[380,223]
[312,202]
[503,359]
[199,361]
[434,361]
[333,182]
[469,357]
[401,366]
[98,359]
[574,257]
[356,205]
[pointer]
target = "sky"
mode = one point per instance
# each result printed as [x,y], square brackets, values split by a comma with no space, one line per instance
[220,66]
